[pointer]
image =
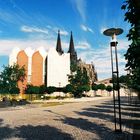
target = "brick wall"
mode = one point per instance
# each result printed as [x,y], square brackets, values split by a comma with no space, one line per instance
[22,60]
[37,69]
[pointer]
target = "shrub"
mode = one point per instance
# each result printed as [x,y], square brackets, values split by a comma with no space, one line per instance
[14,90]
[42,89]
[109,88]
[32,89]
[50,89]
[85,88]
[95,87]
[101,86]
[68,88]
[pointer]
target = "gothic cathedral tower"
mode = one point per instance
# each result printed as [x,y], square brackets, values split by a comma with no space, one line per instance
[73,54]
[58,45]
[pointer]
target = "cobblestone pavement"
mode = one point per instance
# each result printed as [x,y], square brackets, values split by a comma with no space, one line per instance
[89,120]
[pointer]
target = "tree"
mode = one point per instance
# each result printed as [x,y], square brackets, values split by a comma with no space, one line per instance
[9,78]
[73,66]
[101,87]
[132,15]
[80,78]
[126,80]
[79,81]
[95,88]
[85,77]
[123,79]
[68,88]
[109,88]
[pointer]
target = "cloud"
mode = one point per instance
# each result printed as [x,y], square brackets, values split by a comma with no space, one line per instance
[64,32]
[30,29]
[6,46]
[86,28]
[38,37]
[123,44]
[102,60]
[80,6]
[55,29]
[82,45]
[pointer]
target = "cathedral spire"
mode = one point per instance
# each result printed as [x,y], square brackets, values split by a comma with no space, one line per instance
[58,45]
[73,54]
[71,46]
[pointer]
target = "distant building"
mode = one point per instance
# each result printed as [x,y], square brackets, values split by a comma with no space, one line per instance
[50,68]
[91,72]
[107,81]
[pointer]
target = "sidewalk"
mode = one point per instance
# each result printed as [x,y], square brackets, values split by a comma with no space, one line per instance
[136,120]
[83,99]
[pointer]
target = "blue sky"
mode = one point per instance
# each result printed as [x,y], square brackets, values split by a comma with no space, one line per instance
[34,23]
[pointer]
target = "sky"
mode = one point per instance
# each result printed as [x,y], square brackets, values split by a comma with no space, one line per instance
[35,23]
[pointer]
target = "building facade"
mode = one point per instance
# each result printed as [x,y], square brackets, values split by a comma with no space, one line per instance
[91,72]
[58,69]
[50,68]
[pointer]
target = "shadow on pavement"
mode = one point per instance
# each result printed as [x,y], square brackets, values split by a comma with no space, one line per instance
[103,112]
[85,122]
[86,125]
[29,132]
[128,111]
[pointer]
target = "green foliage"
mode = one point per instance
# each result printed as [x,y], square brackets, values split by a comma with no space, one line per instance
[85,88]
[9,78]
[109,88]
[68,88]
[30,89]
[101,86]
[79,82]
[42,89]
[73,66]
[14,90]
[95,87]
[80,78]
[123,79]
[126,80]
[132,15]
[50,89]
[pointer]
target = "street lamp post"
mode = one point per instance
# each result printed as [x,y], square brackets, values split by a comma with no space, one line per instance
[113,32]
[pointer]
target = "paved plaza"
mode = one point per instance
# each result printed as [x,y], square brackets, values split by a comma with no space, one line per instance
[87,120]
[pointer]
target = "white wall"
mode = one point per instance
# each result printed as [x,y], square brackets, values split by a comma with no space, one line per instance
[58,68]
[13,56]
[29,53]
[44,55]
